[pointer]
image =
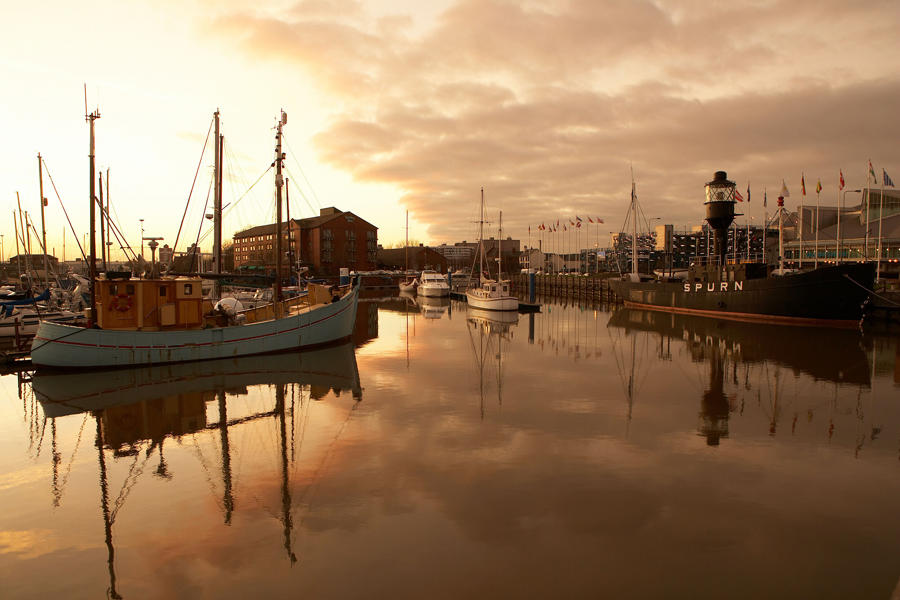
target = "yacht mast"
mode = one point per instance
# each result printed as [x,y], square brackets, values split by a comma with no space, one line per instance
[499,252]
[634,240]
[481,239]
[43,223]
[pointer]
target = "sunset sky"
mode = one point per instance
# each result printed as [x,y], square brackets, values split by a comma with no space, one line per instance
[398,105]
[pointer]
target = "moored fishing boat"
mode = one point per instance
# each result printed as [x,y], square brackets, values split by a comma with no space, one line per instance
[163,320]
[832,295]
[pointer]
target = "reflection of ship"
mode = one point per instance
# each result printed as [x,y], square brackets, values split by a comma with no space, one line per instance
[67,393]
[724,344]
[137,410]
[798,348]
[487,330]
[433,307]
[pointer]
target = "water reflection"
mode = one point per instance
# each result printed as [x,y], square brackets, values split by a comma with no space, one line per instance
[137,410]
[746,360]
[487,331]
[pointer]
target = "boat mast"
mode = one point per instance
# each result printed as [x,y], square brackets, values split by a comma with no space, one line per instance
[92,264]
[634,240]
[279,182]
[217,205]
[481,239]
[499,253]
[43,223]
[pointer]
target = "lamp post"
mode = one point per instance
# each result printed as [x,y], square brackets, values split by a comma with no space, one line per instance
[142,237]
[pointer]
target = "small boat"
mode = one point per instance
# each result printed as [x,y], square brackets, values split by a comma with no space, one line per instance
[490,294]
[432,283]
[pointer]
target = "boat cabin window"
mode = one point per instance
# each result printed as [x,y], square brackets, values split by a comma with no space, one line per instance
[188,289]
[162,291]
[113,290]
[129,289]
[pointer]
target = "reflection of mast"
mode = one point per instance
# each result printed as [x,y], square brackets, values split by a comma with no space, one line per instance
[714,405]
[286,518]
[228,499]
[56,458]
[107,519]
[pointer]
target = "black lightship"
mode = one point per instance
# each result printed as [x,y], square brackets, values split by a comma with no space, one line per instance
[832,295]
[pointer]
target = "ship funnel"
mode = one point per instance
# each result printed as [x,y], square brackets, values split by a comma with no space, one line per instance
[720,210]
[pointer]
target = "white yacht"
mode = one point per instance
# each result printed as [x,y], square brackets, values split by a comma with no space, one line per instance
[432,283]
[490,294]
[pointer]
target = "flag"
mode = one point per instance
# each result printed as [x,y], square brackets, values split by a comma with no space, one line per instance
[571,222]
[748,192]
[765,198]
[737,195]
[818,186]
[590,220]
[802,184]
[564,227]
[577,218]
[886,179]
[599,220]
[784,191]
[842,179]
[557,223]
[529,230]
[578,224]
[872,172]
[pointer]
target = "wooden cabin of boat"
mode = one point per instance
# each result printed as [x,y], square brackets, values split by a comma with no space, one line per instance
[150,304]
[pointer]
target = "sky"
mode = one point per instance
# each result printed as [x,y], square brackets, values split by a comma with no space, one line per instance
[402,105]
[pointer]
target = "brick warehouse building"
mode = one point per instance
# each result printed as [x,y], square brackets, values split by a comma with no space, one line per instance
[325,243]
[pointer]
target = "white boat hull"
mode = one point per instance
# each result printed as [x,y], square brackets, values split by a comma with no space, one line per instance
[483,302]
[65,346]
[433,291]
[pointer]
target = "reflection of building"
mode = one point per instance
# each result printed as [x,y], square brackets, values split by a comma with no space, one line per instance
[326,243]
[176,415]
[714,407]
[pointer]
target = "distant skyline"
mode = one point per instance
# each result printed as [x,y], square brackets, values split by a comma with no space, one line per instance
[402,105]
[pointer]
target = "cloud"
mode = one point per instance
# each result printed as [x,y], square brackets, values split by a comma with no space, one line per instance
[547,104]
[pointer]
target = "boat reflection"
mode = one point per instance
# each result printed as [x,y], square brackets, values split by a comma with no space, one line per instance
[487,330]
[137,410]
[433,307]
[733,348]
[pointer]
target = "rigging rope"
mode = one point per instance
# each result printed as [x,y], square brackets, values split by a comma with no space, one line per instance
[75,235]
[197,172]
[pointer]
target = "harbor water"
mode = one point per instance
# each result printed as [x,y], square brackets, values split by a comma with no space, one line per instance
[445,452]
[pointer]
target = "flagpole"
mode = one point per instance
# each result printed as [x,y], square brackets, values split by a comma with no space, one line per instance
[765,244]
[800,210]
[866,257]
[837,249]
[880,216]
[816,261]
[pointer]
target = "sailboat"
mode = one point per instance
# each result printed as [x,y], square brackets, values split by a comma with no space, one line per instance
[138,322]
[408,284]
[490,294]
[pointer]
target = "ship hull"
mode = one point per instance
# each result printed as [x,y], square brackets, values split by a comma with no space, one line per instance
[65,346]
[826,296]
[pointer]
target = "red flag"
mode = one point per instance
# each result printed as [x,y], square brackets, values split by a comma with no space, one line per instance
[564,227]
[599,220]
[842,179]
[802,184]
[590,220]
[737,194]
[578,224]
[557,223]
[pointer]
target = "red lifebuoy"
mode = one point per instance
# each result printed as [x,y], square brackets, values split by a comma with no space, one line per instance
[121,303]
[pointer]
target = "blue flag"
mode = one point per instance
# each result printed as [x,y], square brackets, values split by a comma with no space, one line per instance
[887,178]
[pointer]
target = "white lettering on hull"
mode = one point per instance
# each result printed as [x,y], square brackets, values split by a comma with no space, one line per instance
[724,286]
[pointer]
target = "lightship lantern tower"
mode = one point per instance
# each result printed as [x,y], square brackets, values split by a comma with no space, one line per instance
[720,211]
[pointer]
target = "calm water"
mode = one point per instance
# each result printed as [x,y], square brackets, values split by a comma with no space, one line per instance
[446,454]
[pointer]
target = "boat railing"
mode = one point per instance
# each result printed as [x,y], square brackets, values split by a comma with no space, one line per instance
[756,258]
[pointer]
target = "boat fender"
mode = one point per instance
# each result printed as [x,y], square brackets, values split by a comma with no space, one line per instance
[121,303]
